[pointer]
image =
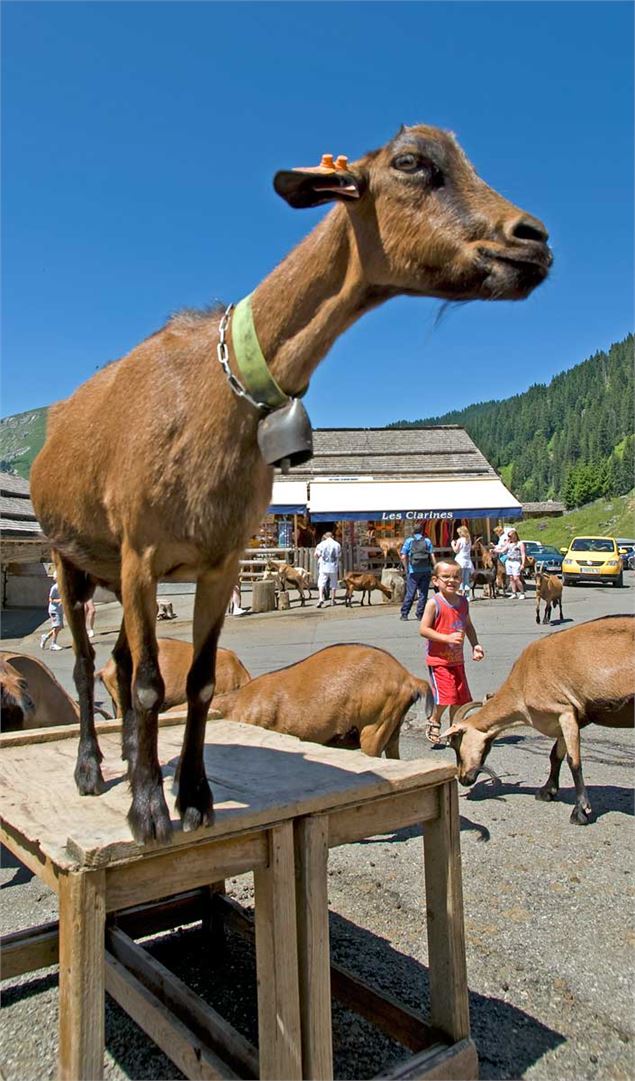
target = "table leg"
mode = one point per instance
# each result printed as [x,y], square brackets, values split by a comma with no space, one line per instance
[311,860]
[81,975]
[279,1040]
[449,1008]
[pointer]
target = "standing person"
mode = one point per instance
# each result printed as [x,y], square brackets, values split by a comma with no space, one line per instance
[462,548]
[516,555]
[234,604]
[328,553]
[417,556]
[445,623]
[90,612]
[56,616]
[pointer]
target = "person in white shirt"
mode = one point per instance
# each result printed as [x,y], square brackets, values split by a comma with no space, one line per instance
[328,553]
[462,548]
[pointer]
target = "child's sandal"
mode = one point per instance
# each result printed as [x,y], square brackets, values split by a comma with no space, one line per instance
[433,732]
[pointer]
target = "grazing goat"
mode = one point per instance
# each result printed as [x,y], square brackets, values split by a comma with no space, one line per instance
[559,684]
[31,695]
[360,582]
[289,575]
[549,590]
[175,661]
[153,471]
[347,695]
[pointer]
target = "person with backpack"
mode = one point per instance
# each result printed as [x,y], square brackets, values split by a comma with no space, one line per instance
[417,556]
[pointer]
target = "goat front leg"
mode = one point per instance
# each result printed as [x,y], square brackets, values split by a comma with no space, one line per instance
[547,615]
[549,790]
[76,588]
[194,802]
[582,811]
[148,817]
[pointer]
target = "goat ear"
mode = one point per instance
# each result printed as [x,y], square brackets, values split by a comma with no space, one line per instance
[302,188]
[454,730]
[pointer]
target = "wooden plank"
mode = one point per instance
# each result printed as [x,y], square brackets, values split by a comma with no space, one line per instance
[28,852]
[200,1018]
[26,951]
[175,1039]
[279,1034]
[311,859]
[258,777]
[81,976]
[449,1010]
[382,816]
[157,916]
[161,875]
[28,737]
[457,1062]
[400,1022]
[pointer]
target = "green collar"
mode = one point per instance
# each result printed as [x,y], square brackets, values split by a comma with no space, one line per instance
[252,366]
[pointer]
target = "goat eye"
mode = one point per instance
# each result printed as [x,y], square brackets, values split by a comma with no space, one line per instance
[407,163]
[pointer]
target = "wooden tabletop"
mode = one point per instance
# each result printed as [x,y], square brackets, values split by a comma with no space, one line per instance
[257,777]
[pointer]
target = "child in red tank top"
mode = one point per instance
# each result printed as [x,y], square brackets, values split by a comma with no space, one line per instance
[445,623]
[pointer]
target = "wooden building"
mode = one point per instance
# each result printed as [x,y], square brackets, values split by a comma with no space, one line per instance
[23,547]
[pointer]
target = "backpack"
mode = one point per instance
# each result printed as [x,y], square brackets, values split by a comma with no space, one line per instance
[419,555]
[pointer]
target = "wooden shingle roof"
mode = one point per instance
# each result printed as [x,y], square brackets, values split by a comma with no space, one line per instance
[434,451]
[17,517]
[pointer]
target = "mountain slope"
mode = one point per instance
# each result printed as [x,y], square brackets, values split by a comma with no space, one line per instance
[21,437]
[572,439]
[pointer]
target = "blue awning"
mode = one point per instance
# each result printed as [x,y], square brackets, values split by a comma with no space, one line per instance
[397,501]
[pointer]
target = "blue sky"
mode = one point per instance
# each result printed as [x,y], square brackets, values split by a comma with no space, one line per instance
[139,141]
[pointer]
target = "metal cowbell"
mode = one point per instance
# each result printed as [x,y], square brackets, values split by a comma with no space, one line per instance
[285,436]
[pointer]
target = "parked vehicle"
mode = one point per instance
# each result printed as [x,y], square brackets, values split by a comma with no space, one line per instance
[627,551]
[593,559]
[547,558]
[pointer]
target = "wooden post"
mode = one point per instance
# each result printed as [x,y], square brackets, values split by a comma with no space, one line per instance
[82,901]
[449,1008]
[279,1038]
[263,597]
[311,853]
[283,600]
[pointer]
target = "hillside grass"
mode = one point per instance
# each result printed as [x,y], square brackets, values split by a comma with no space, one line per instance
[614,517]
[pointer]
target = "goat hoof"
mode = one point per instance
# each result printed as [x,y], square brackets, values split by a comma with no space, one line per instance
[580,817]
[546,794]
[149,818]
[195,804]
[88,777]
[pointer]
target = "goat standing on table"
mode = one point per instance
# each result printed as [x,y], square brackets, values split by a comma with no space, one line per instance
[153,470]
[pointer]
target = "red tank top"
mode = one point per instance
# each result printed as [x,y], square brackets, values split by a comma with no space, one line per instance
[447,620]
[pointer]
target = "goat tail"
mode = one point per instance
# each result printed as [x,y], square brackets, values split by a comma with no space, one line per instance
[423,692]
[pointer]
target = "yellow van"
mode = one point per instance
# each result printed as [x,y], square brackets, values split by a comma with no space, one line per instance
[592,559]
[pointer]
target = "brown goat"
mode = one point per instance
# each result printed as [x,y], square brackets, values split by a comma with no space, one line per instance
[347,695]
[152,469]
[549,590]
[175,661]
[361,582]
[290,575]
[559,684]
[31,695]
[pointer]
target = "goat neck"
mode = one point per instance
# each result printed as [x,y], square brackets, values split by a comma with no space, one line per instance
[310,299]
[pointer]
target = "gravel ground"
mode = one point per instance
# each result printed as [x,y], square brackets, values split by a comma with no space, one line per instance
[548,906]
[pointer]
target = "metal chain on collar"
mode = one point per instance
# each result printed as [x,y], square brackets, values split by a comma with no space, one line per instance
[222,353]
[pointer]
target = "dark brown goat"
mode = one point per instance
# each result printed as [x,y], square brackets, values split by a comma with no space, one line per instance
[559,684]
[361,582]
[344,695]
[152,470]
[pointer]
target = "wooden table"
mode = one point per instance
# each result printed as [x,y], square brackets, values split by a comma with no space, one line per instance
[279,805]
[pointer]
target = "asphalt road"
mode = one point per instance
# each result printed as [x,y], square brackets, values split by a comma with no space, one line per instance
[548,906]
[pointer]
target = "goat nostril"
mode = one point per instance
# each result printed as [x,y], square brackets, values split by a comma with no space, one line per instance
[526,228]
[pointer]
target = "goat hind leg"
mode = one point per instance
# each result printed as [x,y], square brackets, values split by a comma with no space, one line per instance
[148,817]
[75,588]
[549,790]
[582,811]
[194,802]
